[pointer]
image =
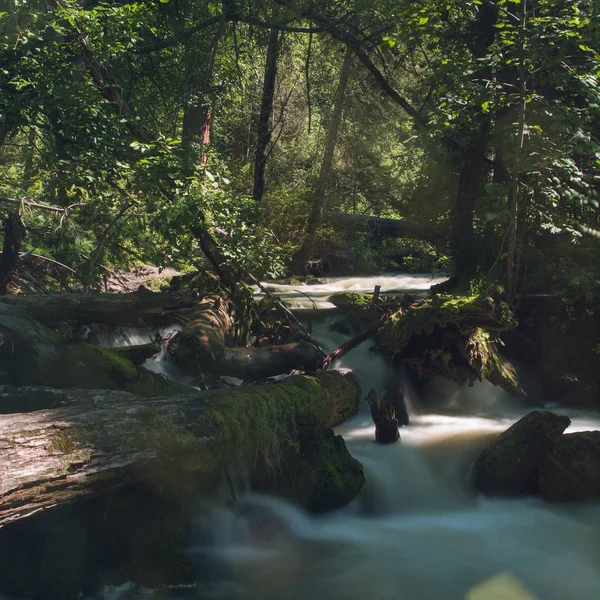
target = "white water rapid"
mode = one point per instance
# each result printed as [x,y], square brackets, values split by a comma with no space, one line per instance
[416,532]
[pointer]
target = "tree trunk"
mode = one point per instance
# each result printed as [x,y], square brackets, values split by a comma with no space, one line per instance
[265,125]
[98,443]
[470,188]
[196,129]
[513,223]
[119,310]
[217,260]
[314,218]
[14,234]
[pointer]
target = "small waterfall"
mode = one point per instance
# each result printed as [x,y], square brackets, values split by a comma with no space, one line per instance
[416,531]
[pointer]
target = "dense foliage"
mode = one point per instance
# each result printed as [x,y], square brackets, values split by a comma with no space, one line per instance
[125,126]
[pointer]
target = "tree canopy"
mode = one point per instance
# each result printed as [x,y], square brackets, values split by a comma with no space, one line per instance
[128,127]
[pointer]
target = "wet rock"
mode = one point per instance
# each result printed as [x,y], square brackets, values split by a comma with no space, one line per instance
[512,464]
[571,470]
[344,394]
[331,477]
[317,472]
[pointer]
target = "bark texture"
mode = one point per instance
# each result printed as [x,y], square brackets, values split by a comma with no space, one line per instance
[265,126]
[99,441]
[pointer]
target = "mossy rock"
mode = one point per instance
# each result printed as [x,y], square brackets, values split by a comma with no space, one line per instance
[352,301]
[316,472]
[335,476]
[344,395]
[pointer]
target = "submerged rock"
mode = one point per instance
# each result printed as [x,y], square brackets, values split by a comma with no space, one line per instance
[571,470]
[512,464]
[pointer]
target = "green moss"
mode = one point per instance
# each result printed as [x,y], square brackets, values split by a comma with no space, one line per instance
[483,356]
[466,312]
[344,395]
[159,284]
[336,477]
[61,443]
[352,301]
[90,367]
[259,420]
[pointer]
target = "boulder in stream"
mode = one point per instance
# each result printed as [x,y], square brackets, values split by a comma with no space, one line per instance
[571,470]
[511,466]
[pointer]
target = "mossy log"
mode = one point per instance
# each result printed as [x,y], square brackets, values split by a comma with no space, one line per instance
[200,348]
[455,337]
[33,355]
[122,310]
[101,442]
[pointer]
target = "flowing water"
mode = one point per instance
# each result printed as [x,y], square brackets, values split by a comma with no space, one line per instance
[417,531]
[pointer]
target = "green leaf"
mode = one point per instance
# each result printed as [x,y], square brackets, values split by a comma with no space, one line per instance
[485,106]
[423,20]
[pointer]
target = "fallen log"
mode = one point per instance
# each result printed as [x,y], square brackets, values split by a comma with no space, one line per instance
[455,337]
[259,363]
[31,398]
[120,310]
[200,348]
[32,354]
[100,442]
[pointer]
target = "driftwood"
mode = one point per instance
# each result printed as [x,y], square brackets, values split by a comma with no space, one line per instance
[200,348]
[99,440]
[123,310]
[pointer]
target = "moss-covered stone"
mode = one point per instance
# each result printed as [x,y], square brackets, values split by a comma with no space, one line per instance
[317,471]
[335,477]
[344,395]
[511,465]
[262,418]
[352,301]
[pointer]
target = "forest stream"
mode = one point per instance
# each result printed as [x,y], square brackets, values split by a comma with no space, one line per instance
[417,531]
